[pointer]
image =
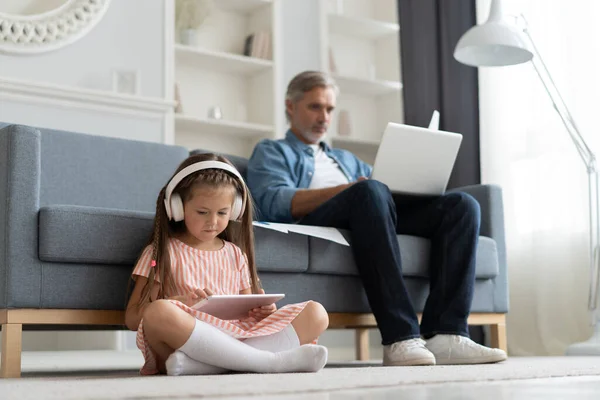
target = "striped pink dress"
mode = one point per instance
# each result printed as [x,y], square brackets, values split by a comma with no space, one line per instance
[223,271]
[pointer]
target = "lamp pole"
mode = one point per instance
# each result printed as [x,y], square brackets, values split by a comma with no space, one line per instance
[499,42]
[589,159]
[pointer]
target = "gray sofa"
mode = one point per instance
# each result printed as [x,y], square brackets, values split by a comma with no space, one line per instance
[76,210]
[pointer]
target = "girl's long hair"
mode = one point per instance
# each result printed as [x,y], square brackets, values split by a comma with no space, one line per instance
[240,233]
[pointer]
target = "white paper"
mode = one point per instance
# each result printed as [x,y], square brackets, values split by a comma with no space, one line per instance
[321,232]
[271,225]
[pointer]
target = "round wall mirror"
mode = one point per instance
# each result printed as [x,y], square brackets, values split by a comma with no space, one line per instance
[37,26]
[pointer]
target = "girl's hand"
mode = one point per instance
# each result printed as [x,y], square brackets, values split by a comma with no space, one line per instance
[193,297]
[263,312]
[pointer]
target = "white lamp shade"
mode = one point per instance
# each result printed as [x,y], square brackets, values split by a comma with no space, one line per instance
[495,43]
[492,44]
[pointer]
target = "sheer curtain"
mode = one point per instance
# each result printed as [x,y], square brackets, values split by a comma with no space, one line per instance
[525,149]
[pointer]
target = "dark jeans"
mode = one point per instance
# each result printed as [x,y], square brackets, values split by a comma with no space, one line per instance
[374,216]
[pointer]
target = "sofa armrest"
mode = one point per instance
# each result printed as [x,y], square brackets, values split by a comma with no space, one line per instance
[489,198]
[20,167]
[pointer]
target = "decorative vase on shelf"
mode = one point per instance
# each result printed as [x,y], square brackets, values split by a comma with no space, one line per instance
[189,37]
[344,126]
[215,113]
[189,17]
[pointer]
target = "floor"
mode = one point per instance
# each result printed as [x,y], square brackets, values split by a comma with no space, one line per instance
[52,377]
[581,388]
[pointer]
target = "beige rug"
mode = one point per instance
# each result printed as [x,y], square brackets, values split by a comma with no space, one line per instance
[126,385]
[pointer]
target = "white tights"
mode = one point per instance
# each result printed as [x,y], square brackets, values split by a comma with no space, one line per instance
[210,351]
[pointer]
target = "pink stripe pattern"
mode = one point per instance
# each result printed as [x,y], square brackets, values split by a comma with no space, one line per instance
[223,271]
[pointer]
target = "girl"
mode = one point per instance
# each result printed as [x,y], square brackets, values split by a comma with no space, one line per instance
[192,255]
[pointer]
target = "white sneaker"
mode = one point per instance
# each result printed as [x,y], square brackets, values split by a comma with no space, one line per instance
[407,352]
[455,349]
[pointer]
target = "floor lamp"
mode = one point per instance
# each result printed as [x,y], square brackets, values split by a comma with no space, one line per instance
[501,41]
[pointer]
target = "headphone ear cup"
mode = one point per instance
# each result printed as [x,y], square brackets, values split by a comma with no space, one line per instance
[237,211]
[176,207]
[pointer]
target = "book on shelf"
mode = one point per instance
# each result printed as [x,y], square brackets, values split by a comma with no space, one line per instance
[258,45]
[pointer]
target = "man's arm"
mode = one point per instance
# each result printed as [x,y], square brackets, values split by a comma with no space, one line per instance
[274,189]
[270,180]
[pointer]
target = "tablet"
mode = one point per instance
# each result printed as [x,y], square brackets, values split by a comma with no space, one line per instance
[235,306]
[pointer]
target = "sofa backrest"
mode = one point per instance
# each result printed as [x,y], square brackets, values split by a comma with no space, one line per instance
[97,171]
[105,172]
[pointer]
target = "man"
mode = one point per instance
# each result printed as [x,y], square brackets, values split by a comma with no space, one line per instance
[301,179]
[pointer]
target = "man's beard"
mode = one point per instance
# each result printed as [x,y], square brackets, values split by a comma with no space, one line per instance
[314,137]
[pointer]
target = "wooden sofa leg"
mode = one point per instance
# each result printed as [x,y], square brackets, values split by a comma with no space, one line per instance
[498,336]
[362,344]
[11,350]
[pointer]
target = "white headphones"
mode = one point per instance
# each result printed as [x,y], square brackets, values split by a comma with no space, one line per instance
[174,204]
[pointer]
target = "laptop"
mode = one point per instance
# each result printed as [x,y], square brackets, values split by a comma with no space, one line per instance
[415,160]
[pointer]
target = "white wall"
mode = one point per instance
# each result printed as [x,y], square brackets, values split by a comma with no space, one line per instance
[120,41]
[89,62]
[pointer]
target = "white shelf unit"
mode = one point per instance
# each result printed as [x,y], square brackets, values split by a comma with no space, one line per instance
[214,72]
[222,127]
[221,61]
[366,149]
[366,87]
[362,37]
[350,141]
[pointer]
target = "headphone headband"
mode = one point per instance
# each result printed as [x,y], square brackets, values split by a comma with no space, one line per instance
[190,169]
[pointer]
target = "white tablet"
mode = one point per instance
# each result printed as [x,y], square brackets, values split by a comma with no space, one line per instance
[235,306]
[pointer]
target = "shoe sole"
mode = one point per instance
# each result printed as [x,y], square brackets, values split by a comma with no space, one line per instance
[411,363]
[466,361]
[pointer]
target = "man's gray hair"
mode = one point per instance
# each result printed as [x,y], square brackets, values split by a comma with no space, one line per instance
[305,82]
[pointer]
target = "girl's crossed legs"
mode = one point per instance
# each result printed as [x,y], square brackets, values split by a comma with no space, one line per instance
[168,329]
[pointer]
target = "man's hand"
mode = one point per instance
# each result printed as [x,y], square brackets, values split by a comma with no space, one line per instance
[193,297]
[347,185]
[263,312]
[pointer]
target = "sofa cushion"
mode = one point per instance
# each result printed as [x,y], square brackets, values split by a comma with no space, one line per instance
[78,234]
[280,252]
[327,257]
[346,294]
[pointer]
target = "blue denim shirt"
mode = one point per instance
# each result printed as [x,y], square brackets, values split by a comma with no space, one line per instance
[278,168]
